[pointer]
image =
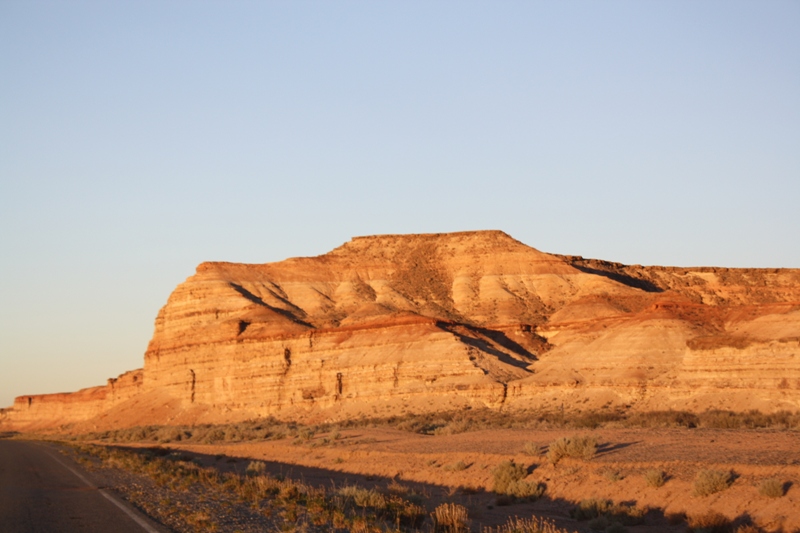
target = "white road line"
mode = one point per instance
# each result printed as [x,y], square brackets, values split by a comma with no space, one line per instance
[136,518]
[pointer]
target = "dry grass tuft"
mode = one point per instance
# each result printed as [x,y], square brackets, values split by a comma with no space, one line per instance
[526,525]
[577,447]
[712,481]
[709,522]
[533,449]
[450,518]
[509,481]
[612,475]
[605,513]
[363,497]
[655,478]
[771,488]
[458,466]
[256,468]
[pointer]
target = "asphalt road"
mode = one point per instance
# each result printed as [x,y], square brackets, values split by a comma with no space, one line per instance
[42,491]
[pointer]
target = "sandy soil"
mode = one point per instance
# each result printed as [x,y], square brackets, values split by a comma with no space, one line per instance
[376,456]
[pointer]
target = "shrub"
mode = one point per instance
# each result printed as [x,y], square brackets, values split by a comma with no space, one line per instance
[525,525]
[363,497]
[532,449]
[450,518]
[606,512]
[613,475]
[508,480]
[591,508]
[710,522]
[256,467]
[578,447]
[712,481]
[771,488]
[507,473]
[398,488]
[655,478]
[456,467]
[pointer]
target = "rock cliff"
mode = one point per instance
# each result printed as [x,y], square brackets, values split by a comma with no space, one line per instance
[408,323]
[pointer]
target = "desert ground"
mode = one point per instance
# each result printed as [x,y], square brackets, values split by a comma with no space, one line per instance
[610,489]
[459,468]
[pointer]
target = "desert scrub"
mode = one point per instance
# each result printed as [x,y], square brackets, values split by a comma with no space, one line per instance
[362,497]
[526,525]
[350,508]
[458,466]
[710,522]
[655,478]
[577,446]
[450,518]
[612,475]
[606,513]
[256,467]
[771,488]
[533,449]
[712,481]
[509,480]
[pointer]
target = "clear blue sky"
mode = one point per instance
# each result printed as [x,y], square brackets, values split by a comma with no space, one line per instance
[138,139]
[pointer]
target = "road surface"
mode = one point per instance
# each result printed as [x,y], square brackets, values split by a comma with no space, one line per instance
[42,491]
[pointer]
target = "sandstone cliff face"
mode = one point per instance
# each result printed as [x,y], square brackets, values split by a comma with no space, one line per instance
[407,323]
[48,410]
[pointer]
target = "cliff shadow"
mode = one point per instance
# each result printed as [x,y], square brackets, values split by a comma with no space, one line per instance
[486,508]
[630,281]
[486,347]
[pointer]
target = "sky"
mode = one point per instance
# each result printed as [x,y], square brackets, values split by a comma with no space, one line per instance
[140,138]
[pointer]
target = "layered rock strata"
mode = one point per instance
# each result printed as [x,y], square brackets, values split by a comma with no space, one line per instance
[394,324]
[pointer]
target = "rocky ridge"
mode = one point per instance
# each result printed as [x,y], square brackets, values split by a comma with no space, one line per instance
[395,324]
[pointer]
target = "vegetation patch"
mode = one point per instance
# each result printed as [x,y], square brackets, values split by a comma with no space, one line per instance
[509,480]
[533,449]
[526,525]
[450,518]
[577,447]
[711,481]
[655,478]
[771,488]
[447,423]
[604,514]
[284,500]
[709,522]
[458,466]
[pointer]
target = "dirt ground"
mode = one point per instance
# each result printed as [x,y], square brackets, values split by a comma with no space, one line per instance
[459,468]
